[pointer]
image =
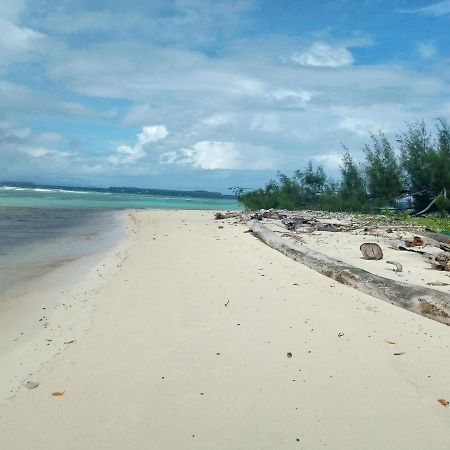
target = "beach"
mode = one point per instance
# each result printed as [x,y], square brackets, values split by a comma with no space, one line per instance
[192,334]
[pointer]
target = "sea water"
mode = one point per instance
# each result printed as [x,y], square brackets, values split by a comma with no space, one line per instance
[43,228]
[71,198]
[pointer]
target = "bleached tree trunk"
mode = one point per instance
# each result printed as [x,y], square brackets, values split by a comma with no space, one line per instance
[424,301]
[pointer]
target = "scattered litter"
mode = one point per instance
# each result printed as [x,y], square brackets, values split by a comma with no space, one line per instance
[443,402]
[58,394]
[389,342]
[399,353]
[289,354]
[31,384]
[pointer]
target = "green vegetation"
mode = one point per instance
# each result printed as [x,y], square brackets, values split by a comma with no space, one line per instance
[409,177]
[433,221]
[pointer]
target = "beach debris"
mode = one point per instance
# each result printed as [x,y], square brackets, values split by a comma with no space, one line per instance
[398,266]
[260,215]
[417,241]
[226,215]
[443,402]
[220,227]
[442,262]
[58,393]
[404,249]
[340,334]
[227,303]
[328,227]
[289,354]
[389,342]
[399,353]
[371,251]
[31,384]
[293,223]
[438,283]
[69,342]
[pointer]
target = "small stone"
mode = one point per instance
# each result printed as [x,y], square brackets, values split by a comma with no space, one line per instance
[31,384]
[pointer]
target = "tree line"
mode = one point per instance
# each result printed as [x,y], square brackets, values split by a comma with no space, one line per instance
[413,175]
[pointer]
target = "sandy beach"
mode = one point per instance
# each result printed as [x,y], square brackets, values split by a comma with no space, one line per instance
[195,335]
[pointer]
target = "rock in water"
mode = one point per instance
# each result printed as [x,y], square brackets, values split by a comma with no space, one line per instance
[371,251]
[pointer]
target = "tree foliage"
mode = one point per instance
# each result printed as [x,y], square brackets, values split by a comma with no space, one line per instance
[418,170]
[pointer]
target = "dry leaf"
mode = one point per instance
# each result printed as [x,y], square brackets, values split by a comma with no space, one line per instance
[57,394]
[399,353]
[389,342]
[443,402]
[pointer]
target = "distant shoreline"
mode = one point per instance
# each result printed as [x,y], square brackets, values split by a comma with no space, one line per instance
[122,190]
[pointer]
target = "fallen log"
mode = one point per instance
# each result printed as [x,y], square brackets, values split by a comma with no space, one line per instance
[420,300]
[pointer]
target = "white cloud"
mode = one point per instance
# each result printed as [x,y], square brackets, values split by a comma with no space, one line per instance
[321,54]
[291,98]
[434,9]
[184,22]
[11,9]
[427,50]
[217,120]
[126,154]
[268,122]
[229,103]
[17,42]
[330,161]
[211,155]
[39,152]
[9,133]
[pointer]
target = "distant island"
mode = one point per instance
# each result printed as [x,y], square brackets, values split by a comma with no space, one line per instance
[122,190]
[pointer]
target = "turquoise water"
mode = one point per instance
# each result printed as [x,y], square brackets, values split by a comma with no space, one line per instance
[66,198]
[42,228]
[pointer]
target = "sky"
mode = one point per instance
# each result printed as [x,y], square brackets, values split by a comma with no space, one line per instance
[210,94]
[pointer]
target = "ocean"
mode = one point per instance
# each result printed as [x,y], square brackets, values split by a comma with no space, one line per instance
[42,228]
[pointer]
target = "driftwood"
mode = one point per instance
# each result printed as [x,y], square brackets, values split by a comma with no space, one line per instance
[371,251]
[227,215]
[421,300]
[294,223]
[328,227]
[398,266]
[404,249]
[443,193]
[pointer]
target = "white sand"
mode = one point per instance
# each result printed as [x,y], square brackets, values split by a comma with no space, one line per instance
[344,246]
[166,365]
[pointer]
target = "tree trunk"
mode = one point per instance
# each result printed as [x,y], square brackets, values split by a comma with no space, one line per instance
[421,300]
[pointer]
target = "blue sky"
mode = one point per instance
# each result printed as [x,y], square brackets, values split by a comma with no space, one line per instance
[208,94]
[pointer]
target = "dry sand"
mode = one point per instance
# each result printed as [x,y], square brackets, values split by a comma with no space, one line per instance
[188,349]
